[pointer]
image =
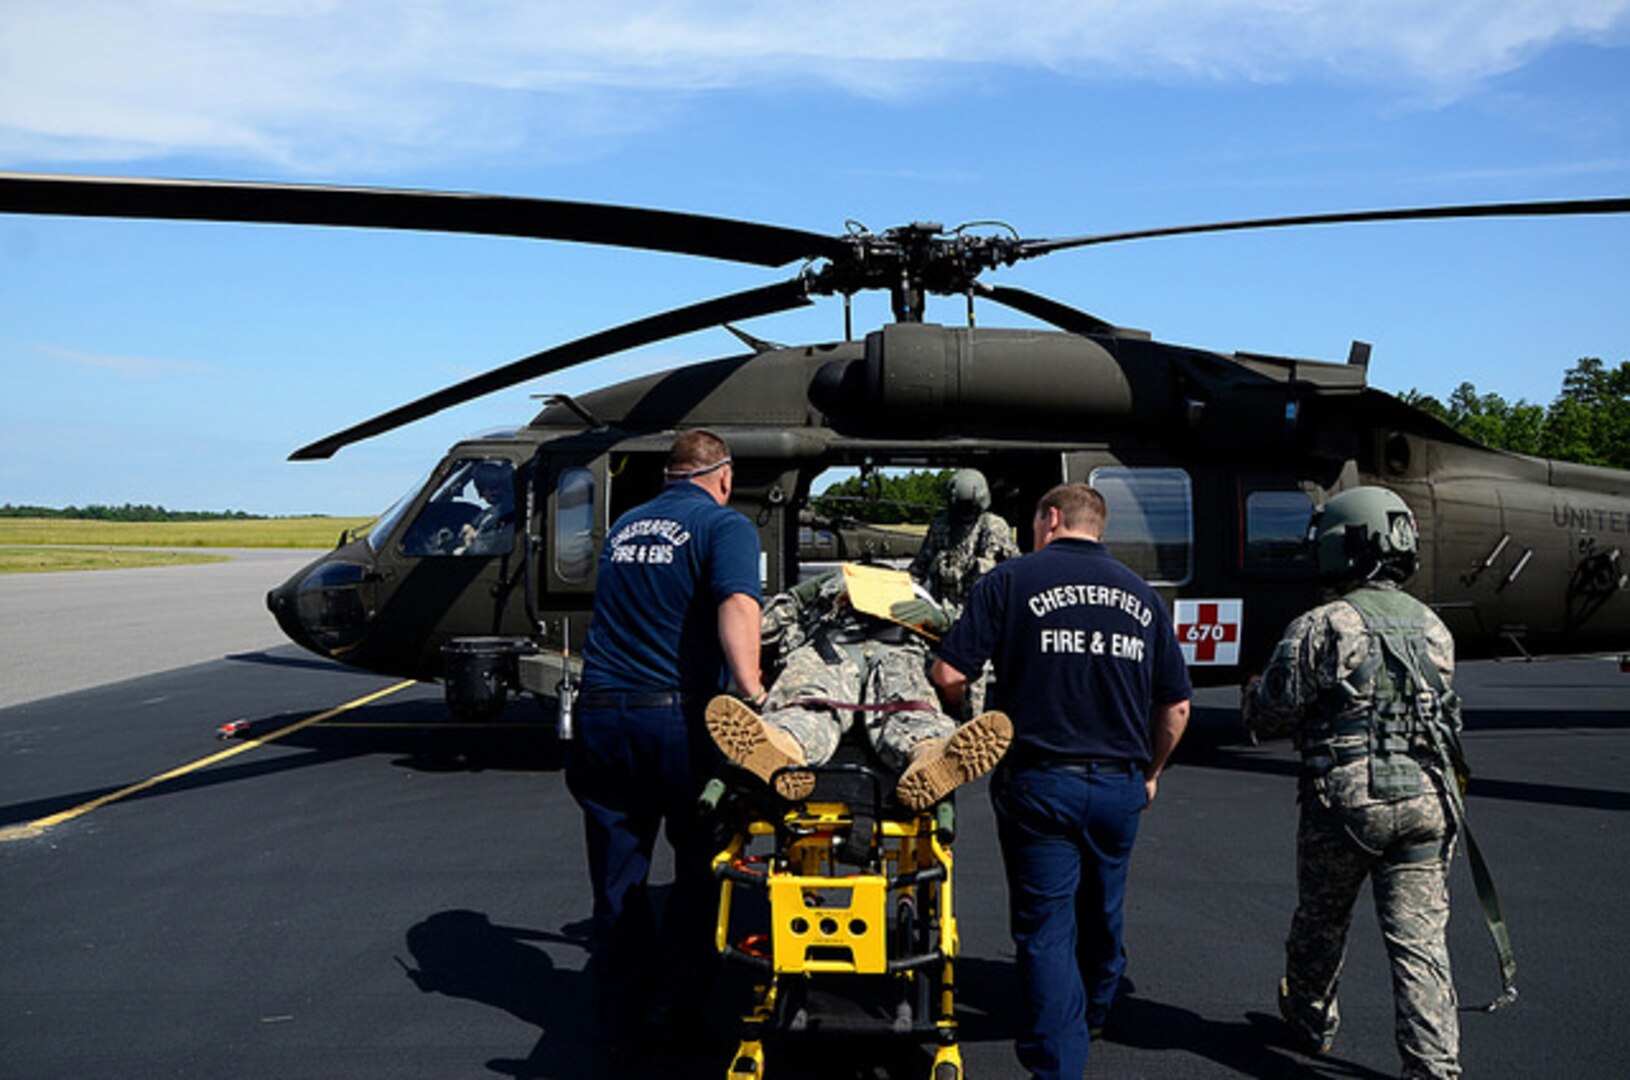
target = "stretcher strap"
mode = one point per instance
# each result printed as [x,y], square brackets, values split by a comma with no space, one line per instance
[828,703]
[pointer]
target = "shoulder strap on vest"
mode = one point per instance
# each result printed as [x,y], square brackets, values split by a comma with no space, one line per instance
[1398,621]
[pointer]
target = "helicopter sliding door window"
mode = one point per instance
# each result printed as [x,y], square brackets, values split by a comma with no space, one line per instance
[470,513]
[1276,523]
[574,525]
[1151,521]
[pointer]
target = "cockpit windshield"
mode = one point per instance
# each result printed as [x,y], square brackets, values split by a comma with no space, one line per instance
[471,512]
[381,528]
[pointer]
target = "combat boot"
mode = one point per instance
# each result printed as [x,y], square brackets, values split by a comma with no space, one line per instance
[1307,1040]
[742,736]
[940,766]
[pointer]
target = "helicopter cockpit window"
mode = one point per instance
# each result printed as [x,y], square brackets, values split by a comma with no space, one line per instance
[574,525]
[471,512]
[384,525]
[1276,529]
[1151,521]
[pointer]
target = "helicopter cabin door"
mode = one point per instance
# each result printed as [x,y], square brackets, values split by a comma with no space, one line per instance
[1274,562]
[575,495]
[454,568]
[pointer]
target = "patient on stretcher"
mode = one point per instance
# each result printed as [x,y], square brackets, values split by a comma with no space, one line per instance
[852,648]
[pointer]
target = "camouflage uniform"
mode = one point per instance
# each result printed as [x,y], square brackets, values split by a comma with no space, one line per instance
[830,660]
[955,554]
[1376,809]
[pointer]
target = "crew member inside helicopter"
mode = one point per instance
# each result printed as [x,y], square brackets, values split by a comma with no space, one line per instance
[470,512]
[492,531]
[837,661]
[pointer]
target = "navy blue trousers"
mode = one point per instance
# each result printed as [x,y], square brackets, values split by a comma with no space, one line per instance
[1066,834]
[634,770]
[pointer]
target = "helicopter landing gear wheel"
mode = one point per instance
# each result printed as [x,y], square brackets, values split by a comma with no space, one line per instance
[477,673]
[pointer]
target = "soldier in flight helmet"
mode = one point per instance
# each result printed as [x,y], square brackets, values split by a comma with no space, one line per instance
[964,542]
[1363,685]
[492,530]
[967,494]
[1366,532]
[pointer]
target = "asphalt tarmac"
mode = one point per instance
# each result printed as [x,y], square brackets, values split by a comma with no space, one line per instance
[71,630]
[363,890]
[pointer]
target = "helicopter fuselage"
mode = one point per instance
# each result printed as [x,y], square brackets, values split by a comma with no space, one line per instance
[1211,464]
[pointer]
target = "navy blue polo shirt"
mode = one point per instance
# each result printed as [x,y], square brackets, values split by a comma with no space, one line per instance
[666,567]
[1081,648]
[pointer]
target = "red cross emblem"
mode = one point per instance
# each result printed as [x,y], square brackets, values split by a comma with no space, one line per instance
[1208,630]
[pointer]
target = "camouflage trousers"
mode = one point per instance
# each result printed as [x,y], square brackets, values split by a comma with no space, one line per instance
[815,697]
[1403,848]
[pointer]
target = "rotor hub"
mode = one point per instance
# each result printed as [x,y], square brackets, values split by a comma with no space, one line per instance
[910,262]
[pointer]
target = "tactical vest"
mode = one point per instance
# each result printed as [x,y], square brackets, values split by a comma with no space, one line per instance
[1411,722]
[1395,698]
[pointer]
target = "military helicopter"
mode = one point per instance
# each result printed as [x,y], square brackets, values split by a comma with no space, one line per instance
[1212,463]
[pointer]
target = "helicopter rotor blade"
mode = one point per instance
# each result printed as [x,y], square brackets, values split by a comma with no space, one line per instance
[1026,249]
[428,211]
[1060,315]
[766,300]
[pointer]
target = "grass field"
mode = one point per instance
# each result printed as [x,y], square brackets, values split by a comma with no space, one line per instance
[41,560]
[311,532]
[40,545]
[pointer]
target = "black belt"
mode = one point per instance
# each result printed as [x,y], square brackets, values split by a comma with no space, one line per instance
[1022,758]
[636,699]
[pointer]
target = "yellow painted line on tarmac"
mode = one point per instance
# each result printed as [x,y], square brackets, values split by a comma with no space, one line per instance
[443,725]
[35,828]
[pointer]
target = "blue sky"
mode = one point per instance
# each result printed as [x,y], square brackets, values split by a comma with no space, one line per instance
[181,363]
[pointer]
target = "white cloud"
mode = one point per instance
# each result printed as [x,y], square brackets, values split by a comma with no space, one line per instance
[319,84]
[130,367]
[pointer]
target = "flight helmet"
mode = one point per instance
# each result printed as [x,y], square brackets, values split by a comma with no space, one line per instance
[492,477]
[1363,533]
[967,494]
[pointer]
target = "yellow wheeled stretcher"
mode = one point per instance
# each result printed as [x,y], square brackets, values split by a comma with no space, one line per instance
[858,892]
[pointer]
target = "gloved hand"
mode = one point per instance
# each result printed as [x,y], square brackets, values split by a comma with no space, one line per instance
[805,592]
[923,614]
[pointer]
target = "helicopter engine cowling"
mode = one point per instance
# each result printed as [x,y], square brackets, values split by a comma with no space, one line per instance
[927,378]
[918,379]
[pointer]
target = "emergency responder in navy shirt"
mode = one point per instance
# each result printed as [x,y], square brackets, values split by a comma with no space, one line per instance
[1088,668]
[676,620]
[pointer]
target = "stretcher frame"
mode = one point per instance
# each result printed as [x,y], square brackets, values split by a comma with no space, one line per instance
[854,892]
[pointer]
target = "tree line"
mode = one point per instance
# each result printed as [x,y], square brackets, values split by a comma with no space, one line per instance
[907,498]
[140,512]
[1588,422]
